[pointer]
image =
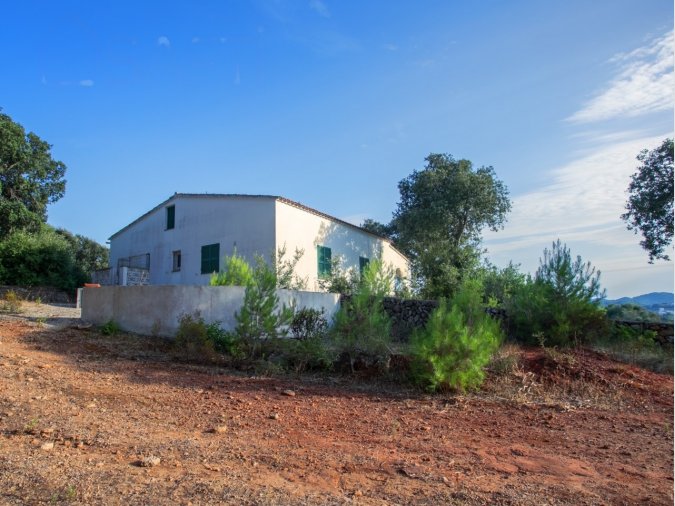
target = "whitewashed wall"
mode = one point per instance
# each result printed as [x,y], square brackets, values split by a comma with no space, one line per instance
[244,222]
[299,228]
[155,310]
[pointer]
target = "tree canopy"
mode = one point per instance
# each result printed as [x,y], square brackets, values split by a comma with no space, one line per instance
[441,214]
[650,200]
[30,178]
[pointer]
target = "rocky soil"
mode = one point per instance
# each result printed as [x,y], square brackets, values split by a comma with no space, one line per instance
[93,419]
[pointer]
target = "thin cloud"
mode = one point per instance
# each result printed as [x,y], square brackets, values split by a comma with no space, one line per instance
[195,40]
[163,41]
[87,83]
[582,203]
[390,47]
[320,8]
[644,84]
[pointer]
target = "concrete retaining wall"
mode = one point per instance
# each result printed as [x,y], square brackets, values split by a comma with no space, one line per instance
[155,309]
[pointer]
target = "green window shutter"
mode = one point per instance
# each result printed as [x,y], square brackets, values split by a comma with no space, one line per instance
[363,263]
[210,258]
[170,217]
[323,255]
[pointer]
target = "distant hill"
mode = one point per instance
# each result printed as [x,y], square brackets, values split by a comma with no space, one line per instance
[660,303]
[647,299]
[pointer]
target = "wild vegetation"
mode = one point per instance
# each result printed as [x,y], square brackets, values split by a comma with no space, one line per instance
[32,253]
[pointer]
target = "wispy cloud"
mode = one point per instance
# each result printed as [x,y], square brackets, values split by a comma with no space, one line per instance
[644,83]
[320,8]
[390,47]
[196,40]
[583,202]
[163,41]
[87,83]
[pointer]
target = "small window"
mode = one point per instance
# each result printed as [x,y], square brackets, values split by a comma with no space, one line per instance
[176,261]
[210,258]
[324,265]
[363,264]
[170,217]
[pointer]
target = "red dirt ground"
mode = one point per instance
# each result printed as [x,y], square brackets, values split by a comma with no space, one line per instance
[577,429]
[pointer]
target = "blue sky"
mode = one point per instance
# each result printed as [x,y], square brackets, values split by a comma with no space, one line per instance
[332,103]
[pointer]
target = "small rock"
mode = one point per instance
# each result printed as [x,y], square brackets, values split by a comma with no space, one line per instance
[47,446]
[219,429]
[358,493]
[91,405]
[289,393]
[274,416]
[150,461]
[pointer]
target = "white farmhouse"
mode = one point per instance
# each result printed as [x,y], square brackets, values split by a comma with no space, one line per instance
[183,240]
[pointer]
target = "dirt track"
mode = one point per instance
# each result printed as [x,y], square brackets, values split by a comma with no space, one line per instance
[108,403]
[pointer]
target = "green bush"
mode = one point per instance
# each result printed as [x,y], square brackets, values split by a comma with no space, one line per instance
[110,328]
[638,347]
[235,272]
[308,323]
[285,269]
[41,259]
[11,302]
[192,339]
[361,327]
[261,317]
[562,302]
[456,344]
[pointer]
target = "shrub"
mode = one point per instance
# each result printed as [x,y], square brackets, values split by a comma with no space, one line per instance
[110,328]
[638,347]
[456,344]
[11,302]
[562,302]
[235,272]
[192,338]
[261,317]
[41,259]
[285,269]
[361,327]
[308,323]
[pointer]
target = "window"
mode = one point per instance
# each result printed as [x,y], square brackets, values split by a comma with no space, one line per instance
[363,263]
[210,258]
[170,217]
[176,261]
[323,256]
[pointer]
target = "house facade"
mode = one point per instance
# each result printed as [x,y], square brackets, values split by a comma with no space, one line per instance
[183,240]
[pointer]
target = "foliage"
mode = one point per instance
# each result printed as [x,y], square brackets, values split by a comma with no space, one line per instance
[387,230]
[440,216]
[89,255]
[638,347]
[340,280]
[11,302]
[309,323]
[41,259]
[499,285]
[562,302]
[285,269]
[301,355]
[261,316]
[650,201]
[236,271]
[632,312]
[457,343]
[29,178]
[192,338]
[361,327]
[110,328]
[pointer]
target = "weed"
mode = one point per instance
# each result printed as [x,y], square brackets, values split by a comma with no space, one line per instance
[11,302]
[41,320]
[192,338]
[31,426]
[38,300]
[110,328]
